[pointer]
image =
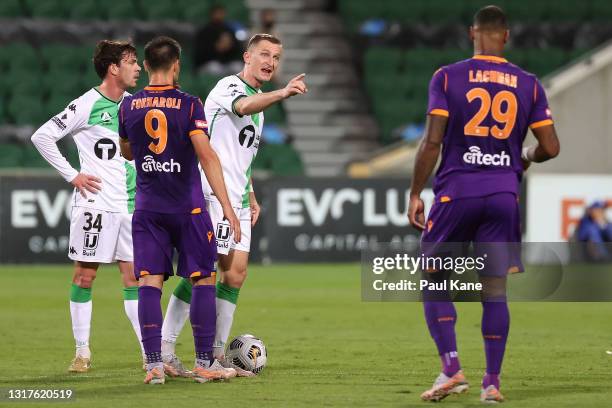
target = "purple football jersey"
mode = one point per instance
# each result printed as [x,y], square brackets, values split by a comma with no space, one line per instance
[159,122]
[490,103]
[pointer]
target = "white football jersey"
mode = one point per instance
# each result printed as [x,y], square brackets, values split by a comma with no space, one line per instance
[234,138]
[92,121]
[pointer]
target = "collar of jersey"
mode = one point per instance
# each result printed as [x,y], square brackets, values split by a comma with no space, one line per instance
[491,58]
[246,83]
[159,87]
[107,98]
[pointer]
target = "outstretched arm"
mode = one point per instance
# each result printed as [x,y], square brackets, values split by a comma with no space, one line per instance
[249,105]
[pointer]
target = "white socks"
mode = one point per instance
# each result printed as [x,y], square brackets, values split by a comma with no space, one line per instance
[176,316]
[178,313]
[131,311]
[225,318]
[81,326]
[81,310]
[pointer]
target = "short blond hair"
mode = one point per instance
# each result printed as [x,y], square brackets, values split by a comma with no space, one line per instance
[257,38]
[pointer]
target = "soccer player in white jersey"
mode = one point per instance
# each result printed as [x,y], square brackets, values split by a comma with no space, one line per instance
[234,111]
[104,188]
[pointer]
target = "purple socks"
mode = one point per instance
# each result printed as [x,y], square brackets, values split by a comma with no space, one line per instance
[203,314]
[441,317]
[495,328]
[150,318]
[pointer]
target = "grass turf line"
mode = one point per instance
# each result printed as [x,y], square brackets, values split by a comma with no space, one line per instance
[326,347]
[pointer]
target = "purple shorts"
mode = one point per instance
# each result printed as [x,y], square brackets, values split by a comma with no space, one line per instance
[492,223]
[156,235]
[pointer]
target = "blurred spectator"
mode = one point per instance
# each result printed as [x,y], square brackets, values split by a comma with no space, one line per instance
[217,51]
[595,230]
[267,23]
[274,134]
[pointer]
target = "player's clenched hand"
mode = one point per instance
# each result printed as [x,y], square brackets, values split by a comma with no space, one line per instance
[295,86]
[255,209]
[416,212]
[85,182]
[230,216]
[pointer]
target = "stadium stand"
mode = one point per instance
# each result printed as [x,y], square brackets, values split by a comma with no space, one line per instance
[367,82]
[45,62]
[408,43]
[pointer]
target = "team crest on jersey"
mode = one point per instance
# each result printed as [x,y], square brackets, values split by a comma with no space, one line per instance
[90,243]
[106,117]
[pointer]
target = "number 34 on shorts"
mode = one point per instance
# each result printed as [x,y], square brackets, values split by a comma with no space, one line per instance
[100,236]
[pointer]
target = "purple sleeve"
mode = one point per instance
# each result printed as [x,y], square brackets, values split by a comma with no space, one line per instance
[540,112]
[438,105]
[197,119]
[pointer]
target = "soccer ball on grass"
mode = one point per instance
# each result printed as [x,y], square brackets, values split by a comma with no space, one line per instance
[247,352]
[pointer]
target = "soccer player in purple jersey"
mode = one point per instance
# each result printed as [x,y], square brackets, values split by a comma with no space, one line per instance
[164,130]
[479,112]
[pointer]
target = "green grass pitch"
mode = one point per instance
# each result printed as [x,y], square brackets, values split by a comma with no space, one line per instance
[326,347]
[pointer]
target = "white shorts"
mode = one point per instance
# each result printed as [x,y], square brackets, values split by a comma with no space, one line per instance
[225,239]
[100,236]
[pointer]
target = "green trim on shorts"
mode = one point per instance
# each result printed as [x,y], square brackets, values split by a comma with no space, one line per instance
[79,295]
[227,293]
[130,293]
[183,290]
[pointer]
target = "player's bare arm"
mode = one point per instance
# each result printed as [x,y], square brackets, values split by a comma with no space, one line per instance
[214,174]
[249,105]
[426,159]
[255,209]
[126,150]
[547,148]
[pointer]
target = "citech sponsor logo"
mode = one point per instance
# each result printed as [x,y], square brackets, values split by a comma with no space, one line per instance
[475,156]
[150,164]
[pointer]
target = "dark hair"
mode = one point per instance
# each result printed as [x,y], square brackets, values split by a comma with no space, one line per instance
[491,18]
[161,52]
[110,52]
[257,38]
[216,7]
